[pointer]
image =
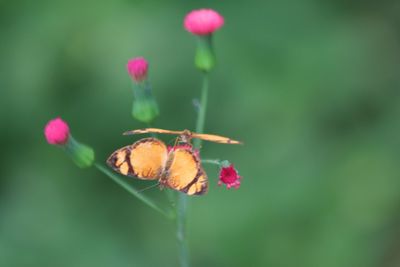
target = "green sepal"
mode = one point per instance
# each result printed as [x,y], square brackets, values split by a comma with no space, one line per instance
[225,164]
[145,110]
[145,107]
[82,155]
[205,57]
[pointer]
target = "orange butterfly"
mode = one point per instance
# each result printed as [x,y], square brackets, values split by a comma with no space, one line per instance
[178,168]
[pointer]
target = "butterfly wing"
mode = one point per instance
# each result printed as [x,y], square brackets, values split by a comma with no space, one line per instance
[200,185]
[215,138]
[184,170]
[145,159]
[152,130]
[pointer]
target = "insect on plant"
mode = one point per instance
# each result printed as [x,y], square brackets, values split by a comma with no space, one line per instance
[178,167]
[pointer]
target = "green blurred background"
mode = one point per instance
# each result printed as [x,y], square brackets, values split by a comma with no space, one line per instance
[311,87]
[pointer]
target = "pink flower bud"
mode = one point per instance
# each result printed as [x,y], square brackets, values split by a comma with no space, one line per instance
[137,68]
[203,21]
[56,132]
[229,176]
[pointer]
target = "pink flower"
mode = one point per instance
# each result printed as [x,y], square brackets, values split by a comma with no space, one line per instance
[137,68]
[56,132]
[203,21]
[230,177]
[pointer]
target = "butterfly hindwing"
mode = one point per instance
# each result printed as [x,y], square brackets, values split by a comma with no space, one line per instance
[184,170]
[145,159]
[119,161]
[199,185]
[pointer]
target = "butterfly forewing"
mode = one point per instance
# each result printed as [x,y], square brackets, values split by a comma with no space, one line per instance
[206,137]
[145,159]
[215,138]
[152,130]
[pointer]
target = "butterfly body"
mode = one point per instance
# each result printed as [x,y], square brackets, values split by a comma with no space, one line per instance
[178,167]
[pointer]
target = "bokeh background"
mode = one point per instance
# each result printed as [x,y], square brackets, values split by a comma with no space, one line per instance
[311,87]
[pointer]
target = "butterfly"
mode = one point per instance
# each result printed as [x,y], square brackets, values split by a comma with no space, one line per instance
[178,168]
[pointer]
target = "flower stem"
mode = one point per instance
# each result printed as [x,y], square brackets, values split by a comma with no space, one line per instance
[181,230]
[182,198]
[202,111]
[128,187]
[211,161]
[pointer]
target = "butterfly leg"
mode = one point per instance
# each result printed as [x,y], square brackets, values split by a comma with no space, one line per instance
[176,141]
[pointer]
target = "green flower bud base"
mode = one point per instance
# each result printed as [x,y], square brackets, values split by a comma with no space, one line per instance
[205,58]
[145,108]
[81,154]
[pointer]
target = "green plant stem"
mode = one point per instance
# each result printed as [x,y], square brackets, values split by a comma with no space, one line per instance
[211,161]
[181,230]
[201,118]
[128,187]
[182,198]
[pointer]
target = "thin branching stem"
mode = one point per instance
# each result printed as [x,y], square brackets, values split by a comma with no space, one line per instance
[133,191]
[211,161]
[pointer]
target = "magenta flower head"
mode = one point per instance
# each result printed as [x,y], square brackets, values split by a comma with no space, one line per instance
[229,176]
[137,69]
[203,21]
[57,132]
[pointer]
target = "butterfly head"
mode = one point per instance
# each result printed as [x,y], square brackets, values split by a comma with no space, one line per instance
[185,137]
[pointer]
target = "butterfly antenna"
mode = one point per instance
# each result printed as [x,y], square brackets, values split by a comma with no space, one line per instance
[149,187]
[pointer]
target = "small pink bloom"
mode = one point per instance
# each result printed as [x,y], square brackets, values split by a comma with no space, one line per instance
[203,21]
[56,132]
[137,68]
[230,177]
